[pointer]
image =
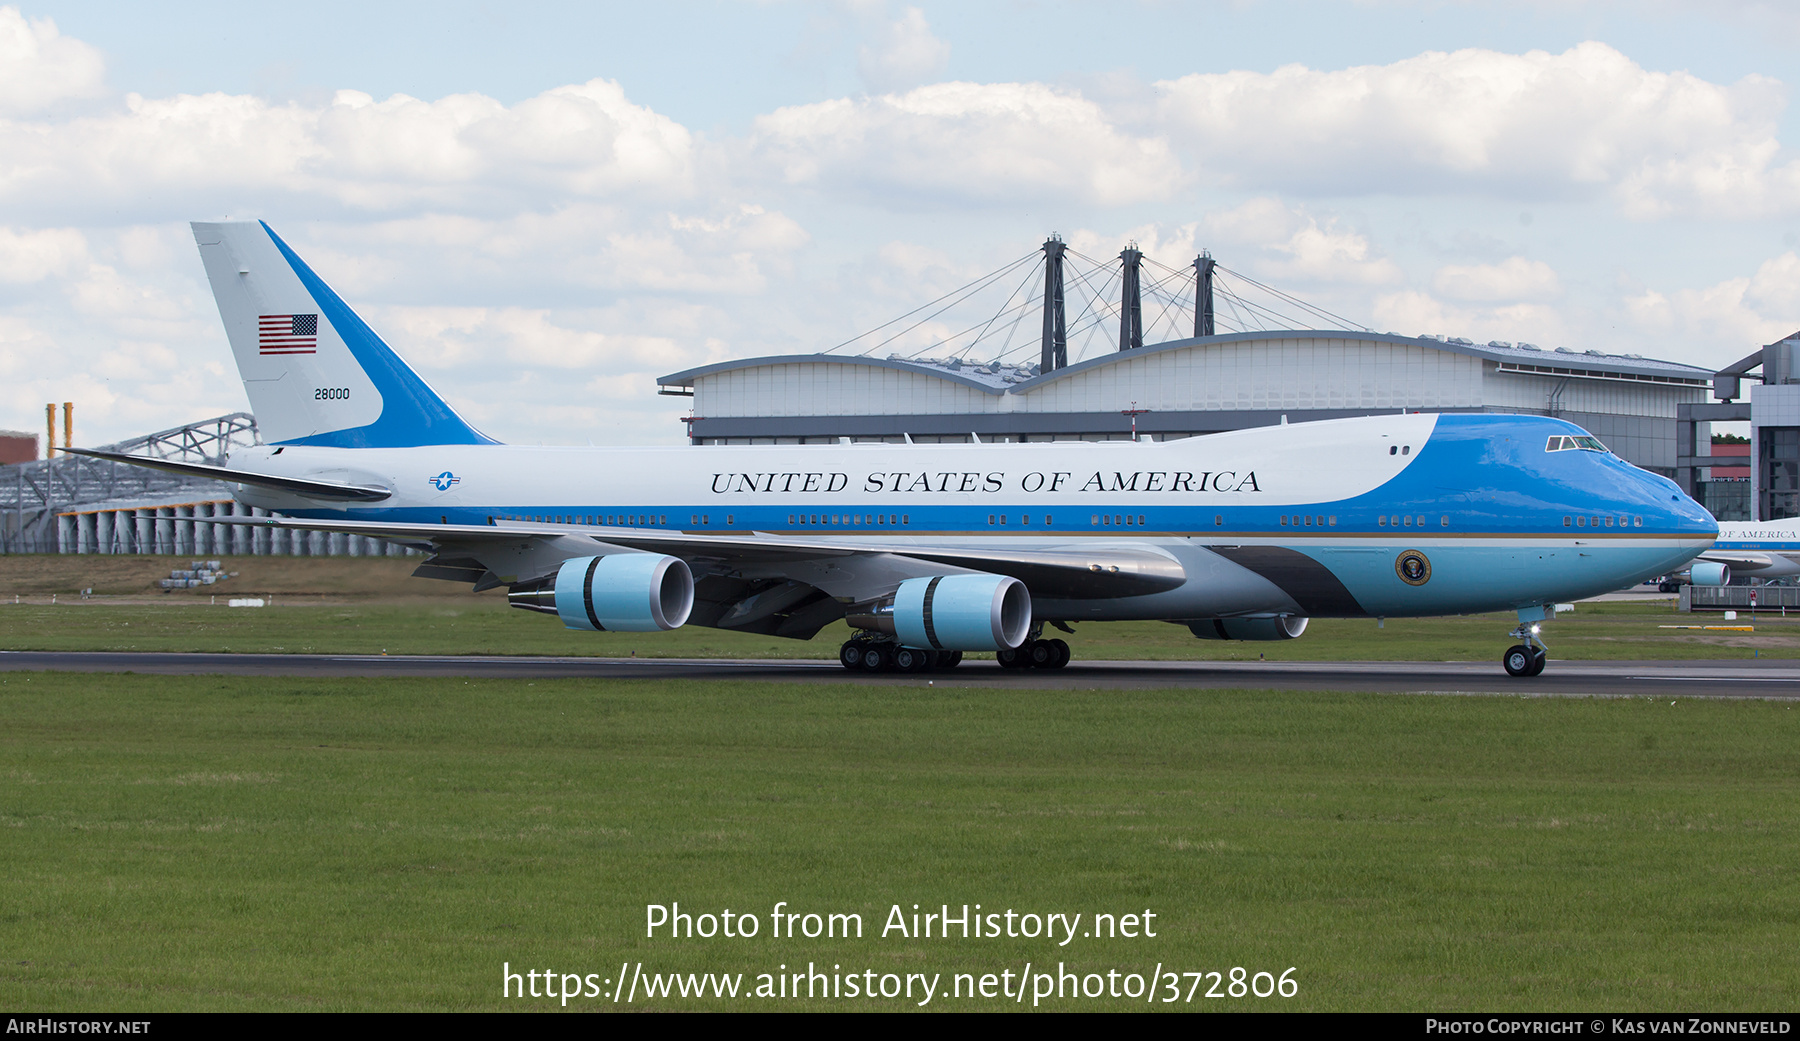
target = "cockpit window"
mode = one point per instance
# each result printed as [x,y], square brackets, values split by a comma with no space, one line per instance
[1570,443]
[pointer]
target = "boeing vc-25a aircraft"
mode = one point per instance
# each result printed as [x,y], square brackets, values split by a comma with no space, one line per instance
[1760,549]
[932,550]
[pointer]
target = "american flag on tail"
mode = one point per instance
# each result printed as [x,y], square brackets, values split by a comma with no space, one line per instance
[287,334]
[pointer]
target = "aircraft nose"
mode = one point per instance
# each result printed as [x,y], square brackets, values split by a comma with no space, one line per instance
[1684,515]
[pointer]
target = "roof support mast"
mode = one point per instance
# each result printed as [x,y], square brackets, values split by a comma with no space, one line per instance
[1203,294]
[1055,353]
[1131,301]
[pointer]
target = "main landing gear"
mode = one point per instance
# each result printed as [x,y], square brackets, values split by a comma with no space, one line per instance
[1526,658]
[879,653]
[1035,654]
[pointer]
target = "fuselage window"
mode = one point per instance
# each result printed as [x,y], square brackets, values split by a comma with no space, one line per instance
[990,519]
[1381,521]
[790,519]
[906,518]
[1567,520]
[1218,519]
[1596,522]
[1444,521]
[1128,518]
[1408,522]
[1284,520]
[1637,522]
[1609,522]
[1309,521]
[1406,450]
[1393,450]
[730,520]
[1332,520]
[1581,522]
[1140,520]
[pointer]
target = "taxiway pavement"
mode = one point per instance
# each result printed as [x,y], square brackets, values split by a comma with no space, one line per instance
[1765,678]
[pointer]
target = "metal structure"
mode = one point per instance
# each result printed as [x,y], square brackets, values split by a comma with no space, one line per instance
[1203,294]
[1131,299]
[1054,353]
[1772,408]
[76,504]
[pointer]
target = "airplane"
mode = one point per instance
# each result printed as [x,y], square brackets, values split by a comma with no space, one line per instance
[930,551]
[1761,549]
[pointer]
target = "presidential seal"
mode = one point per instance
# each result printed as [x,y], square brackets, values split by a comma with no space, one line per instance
[1413,568]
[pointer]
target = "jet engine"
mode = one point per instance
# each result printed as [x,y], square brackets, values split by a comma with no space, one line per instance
[1271,627]
[620,592]
[962,613]
[1708,573]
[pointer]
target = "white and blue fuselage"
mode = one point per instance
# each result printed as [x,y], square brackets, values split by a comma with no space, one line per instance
[1310,519]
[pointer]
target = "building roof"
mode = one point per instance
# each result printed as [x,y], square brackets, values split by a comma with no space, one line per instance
[999,378]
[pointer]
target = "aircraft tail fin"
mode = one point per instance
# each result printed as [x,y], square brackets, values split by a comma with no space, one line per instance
[316,374]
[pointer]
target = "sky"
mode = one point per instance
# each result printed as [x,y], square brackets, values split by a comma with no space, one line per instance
[544,207]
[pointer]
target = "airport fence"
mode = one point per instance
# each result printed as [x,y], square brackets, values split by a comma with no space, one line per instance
[1739,598]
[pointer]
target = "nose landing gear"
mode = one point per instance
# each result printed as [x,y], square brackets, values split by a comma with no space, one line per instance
[1526,658]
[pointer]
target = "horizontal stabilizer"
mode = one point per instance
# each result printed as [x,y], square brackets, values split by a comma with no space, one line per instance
[330,491]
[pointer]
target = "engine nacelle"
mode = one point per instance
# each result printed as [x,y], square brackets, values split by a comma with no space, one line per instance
[1277,627]
[620,592]
[962,612]
[1707,573]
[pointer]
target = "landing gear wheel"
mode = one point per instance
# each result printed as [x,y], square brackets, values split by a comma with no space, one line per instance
[1538,657]
[1041,654]
[1519,660]
[1012,658]
[949,659]
[911,659]
[1062,654]
[850,654]
[877,657]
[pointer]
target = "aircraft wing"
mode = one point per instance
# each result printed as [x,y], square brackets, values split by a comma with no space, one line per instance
[1098,571]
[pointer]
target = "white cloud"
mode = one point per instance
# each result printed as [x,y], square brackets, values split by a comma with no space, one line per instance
[964,143]
[1531,125]
[907,56]
[31,256]
[463,151]
[1513,279]
[1410,312]
[1732,317]
[40,67]
[1292,245]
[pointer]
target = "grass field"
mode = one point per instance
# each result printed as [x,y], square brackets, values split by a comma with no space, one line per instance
[368,605]
[484,626]
[228,843]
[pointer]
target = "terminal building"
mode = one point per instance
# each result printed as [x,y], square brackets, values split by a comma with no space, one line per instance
[1208,382]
